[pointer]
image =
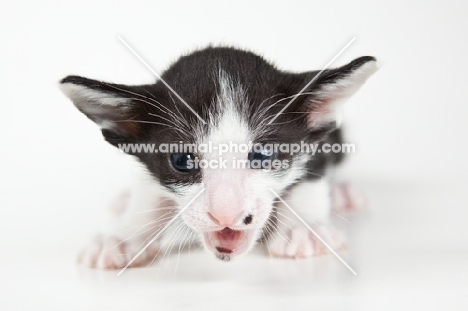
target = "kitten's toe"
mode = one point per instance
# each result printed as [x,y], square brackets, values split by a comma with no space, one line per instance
[301,243]
[109,252]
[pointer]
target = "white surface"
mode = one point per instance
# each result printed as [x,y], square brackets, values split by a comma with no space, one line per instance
[410,251]
[409,123]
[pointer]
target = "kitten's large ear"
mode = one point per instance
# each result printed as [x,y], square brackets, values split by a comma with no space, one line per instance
[113,107]
[332,87]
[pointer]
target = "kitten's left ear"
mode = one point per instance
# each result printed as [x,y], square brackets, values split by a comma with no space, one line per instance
[333,87]
[114,107]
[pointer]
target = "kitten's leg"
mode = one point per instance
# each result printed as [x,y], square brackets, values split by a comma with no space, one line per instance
[347,198]
[137,215]
[311,200]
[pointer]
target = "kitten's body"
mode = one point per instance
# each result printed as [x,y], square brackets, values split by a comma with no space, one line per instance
[237,94]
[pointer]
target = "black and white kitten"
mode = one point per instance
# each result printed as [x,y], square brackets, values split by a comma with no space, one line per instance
[233,95]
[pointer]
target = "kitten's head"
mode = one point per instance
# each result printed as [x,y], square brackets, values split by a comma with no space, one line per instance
[227,109]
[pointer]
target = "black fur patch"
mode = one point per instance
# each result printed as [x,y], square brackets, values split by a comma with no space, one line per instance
[156,116]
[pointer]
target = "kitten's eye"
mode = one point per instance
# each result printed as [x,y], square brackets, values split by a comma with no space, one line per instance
[184,162]
[261,159]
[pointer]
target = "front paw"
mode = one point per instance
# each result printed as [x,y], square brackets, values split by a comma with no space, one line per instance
[109,252]
[299,242]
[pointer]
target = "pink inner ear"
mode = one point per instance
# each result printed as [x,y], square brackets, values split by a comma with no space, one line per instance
[326,106]
[321,113]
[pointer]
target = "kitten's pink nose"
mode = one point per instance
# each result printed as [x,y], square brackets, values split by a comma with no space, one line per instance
[224,219]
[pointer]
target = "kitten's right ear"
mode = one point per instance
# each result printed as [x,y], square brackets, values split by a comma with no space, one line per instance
[111,106]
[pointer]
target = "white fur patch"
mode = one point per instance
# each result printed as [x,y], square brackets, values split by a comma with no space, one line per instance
[231,126]
[225,195]
[231,193]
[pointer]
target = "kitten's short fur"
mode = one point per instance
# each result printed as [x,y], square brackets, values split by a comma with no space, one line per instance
[237,93]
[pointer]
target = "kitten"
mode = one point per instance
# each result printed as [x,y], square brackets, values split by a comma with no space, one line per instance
[223,97]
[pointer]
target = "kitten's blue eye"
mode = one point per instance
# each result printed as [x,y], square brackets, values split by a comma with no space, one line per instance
[261,159]
[184,162]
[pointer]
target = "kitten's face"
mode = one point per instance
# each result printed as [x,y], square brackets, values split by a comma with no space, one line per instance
[233,95]
[237,201]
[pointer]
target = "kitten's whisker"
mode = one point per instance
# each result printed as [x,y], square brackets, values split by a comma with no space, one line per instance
[158,116]
[135,234]
[161,247]
[172,241]
[341,217]
[156,209]
[285,224]
[277,230]
[153,122]
[260,111]
[186,232]
[285,216]
[139,99]
[175,104]
[286,122]
[273,235]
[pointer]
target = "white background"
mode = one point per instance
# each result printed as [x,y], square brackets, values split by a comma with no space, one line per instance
[409,123]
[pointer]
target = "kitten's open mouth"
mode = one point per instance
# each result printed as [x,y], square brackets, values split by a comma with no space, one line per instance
[227,242]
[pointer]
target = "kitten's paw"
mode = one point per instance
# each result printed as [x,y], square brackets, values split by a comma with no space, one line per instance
[109,252]
[301,243]
[347,198]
